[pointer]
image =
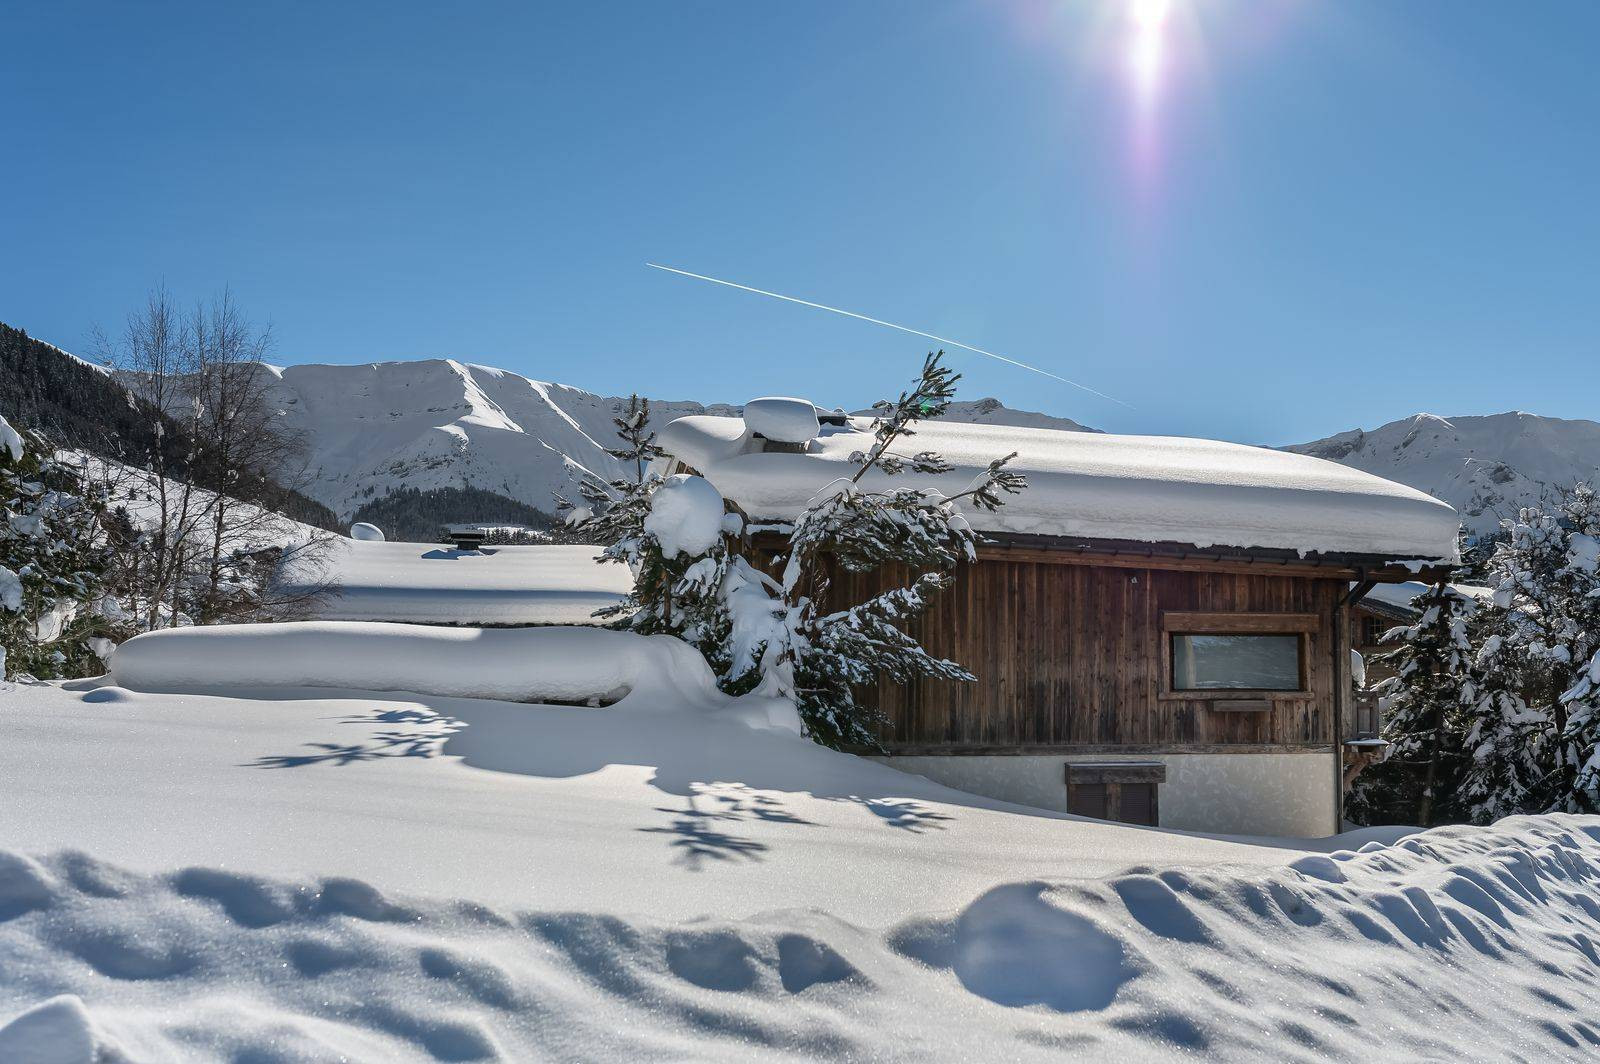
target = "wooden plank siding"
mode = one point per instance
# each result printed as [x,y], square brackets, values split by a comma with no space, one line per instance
[1070,655]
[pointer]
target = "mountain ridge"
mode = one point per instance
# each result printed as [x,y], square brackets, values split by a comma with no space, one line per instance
[441,423]
[430,424]
[1485,465]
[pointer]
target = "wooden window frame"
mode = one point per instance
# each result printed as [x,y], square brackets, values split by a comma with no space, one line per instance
[1242,699]
[1110,778]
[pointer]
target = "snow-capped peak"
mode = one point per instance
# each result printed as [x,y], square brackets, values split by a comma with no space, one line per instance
[1485,466]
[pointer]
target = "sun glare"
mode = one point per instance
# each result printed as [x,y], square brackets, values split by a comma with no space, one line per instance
[1146,47]
[1149,14]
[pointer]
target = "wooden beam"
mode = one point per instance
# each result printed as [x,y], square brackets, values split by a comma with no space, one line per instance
[1053,749]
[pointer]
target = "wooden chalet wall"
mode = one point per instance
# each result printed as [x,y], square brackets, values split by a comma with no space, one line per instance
[1070,655]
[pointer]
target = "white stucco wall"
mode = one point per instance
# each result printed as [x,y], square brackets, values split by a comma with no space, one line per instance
[1285,794]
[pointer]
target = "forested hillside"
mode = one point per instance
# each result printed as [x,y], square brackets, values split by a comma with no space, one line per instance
[417,516]
[79,406]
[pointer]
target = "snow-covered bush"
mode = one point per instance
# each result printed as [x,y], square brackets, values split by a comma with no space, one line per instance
[53,557]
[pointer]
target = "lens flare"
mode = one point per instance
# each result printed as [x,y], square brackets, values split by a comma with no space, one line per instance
[1149,14]
[1147,47]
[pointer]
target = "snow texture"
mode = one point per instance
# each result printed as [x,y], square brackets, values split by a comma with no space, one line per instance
[366,532]
[519,664]
[428,583]
[685,515]
[382,879]
[1486,467]
[781,420]
[1145,488]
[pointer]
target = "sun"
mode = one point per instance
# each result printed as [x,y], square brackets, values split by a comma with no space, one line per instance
[1146,46]
[1149,15]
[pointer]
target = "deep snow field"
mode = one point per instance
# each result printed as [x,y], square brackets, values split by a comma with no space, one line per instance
[298,874]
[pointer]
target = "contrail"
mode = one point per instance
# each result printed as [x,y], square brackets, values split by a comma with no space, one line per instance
[890,325]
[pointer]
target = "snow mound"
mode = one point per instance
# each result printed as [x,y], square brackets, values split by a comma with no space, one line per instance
[685,515]
[366,533]
[639,673]
[1461,943]
[57,1031]
[781,420]
[10,441]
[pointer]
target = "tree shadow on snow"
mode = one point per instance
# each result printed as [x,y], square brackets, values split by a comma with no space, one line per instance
[697,836]
[725,771]
[426,740]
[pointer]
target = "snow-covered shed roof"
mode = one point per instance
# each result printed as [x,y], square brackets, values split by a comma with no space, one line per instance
[429,583]
[1396,600]
[1148,489]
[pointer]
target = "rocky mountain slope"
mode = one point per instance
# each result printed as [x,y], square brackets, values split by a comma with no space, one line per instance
[1486,467]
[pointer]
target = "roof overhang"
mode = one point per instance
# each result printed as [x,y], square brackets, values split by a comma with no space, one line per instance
[1259,560]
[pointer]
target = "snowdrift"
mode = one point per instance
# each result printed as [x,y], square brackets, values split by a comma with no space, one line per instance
[1457,944]
[654,673]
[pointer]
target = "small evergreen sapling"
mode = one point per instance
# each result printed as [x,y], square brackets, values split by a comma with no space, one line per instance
[674,591]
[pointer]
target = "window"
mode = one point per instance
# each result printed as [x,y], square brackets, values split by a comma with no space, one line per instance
[1124,791]
[1221,655]
[1235,662]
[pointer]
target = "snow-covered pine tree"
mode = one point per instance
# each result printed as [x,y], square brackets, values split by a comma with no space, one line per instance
[1509,745]
[53,556]
[1580,701]
[1534,651]
[1421,701]
[783,633]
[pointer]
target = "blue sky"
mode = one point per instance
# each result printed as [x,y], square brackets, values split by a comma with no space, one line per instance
[1263,220]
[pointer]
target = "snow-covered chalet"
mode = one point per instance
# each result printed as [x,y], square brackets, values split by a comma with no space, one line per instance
[1160,627]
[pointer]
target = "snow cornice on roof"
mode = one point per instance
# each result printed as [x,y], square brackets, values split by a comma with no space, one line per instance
[1094,492]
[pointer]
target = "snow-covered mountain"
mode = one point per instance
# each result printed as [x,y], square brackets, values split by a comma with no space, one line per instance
[1486,467]
[440,423]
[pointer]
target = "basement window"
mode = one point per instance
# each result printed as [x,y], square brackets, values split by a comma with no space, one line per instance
[1125,791]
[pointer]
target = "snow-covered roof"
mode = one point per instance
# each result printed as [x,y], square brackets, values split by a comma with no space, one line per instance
[1401,596]
[1149,489]
[429,583]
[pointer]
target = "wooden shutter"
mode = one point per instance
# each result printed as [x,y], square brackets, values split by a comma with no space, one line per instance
[1124,791]
[1137,803]
[1087,799]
